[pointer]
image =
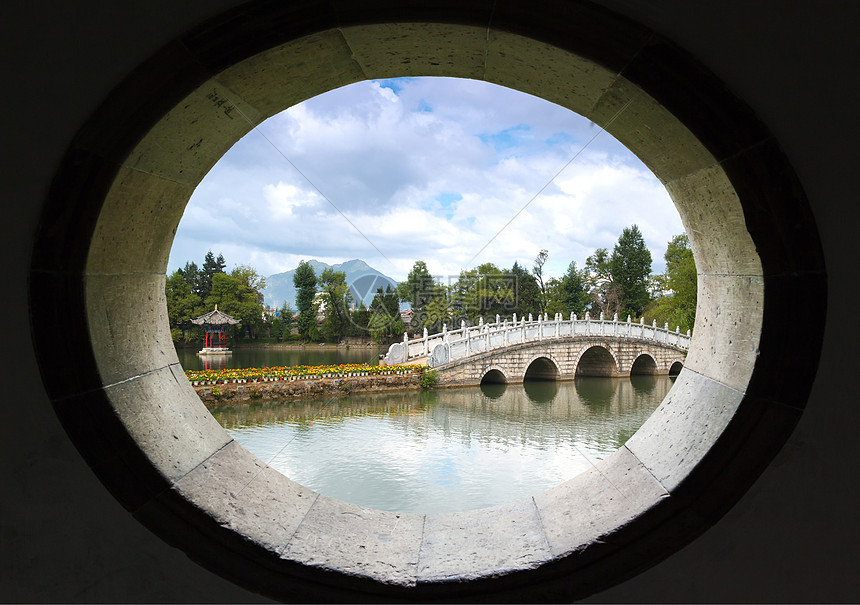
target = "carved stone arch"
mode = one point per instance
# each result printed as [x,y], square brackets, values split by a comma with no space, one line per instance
[530,370]
[644,367]
[594,366]
[494,374]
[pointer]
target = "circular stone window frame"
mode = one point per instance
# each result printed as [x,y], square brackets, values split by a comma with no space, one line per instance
[98,275]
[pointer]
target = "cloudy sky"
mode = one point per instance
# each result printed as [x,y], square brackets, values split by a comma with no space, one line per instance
[432,169]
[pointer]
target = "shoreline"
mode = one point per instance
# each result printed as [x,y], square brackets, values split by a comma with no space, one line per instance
[311,345]
[321,345]
[240,393]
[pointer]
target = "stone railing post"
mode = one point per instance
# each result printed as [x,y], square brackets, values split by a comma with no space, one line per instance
[587,323]
[426,342]
[601,324]
[642,327]
[540,327]
[505,329]
[466,335]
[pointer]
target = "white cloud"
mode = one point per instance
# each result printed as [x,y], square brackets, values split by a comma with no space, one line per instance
[428,169]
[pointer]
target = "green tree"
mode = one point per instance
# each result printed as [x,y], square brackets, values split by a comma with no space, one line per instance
[676,303]
[554,303]
[526,291]
[191,275]
[250,305]
[210,267]
[419,290]
[630,267]
[464,301]
[496,292]
[440,311]
[359,320]
[484,292]
[275,327]
[183,305]
[236,294]
[385,323]
[337,298]
[572,291]
[305,281]
[605,293]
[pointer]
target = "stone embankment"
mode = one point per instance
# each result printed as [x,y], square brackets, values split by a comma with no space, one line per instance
[239,393]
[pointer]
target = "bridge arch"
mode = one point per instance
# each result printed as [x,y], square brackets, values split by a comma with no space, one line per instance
[494,375]
[542,367]
[676,368]
[105,235]
[644,364]
[597,360]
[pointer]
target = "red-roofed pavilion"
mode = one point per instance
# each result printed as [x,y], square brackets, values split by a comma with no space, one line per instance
[214,323]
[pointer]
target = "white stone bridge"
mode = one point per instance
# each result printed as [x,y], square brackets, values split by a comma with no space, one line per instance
[544,349]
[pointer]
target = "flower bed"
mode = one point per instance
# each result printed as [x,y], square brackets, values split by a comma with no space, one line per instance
[294,372]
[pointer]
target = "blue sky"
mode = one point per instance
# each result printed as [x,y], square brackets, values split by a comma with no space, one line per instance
[423,169]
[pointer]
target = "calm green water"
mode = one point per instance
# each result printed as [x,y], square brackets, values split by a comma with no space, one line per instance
[449,449]
[260,357]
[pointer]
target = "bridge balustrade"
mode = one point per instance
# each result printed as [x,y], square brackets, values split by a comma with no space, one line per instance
[471,340]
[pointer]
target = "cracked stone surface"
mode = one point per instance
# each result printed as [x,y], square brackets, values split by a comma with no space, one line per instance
[680,432]
[359,541]
[592,505]
[244,494]
[485,542]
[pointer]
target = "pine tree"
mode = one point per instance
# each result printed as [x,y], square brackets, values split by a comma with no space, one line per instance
[630,267]
[305,281]
[527,291]
[211,266]
[419,290]
[573,290]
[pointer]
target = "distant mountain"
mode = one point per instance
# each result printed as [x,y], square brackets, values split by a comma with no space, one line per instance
[363,280]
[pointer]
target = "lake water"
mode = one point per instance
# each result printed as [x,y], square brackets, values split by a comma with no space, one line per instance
[446,450]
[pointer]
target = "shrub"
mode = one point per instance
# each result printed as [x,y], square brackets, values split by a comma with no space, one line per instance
[429,379]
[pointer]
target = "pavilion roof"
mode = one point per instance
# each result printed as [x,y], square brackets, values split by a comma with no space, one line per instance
[214,318]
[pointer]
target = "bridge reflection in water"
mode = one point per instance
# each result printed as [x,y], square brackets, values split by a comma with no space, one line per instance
[449,449]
